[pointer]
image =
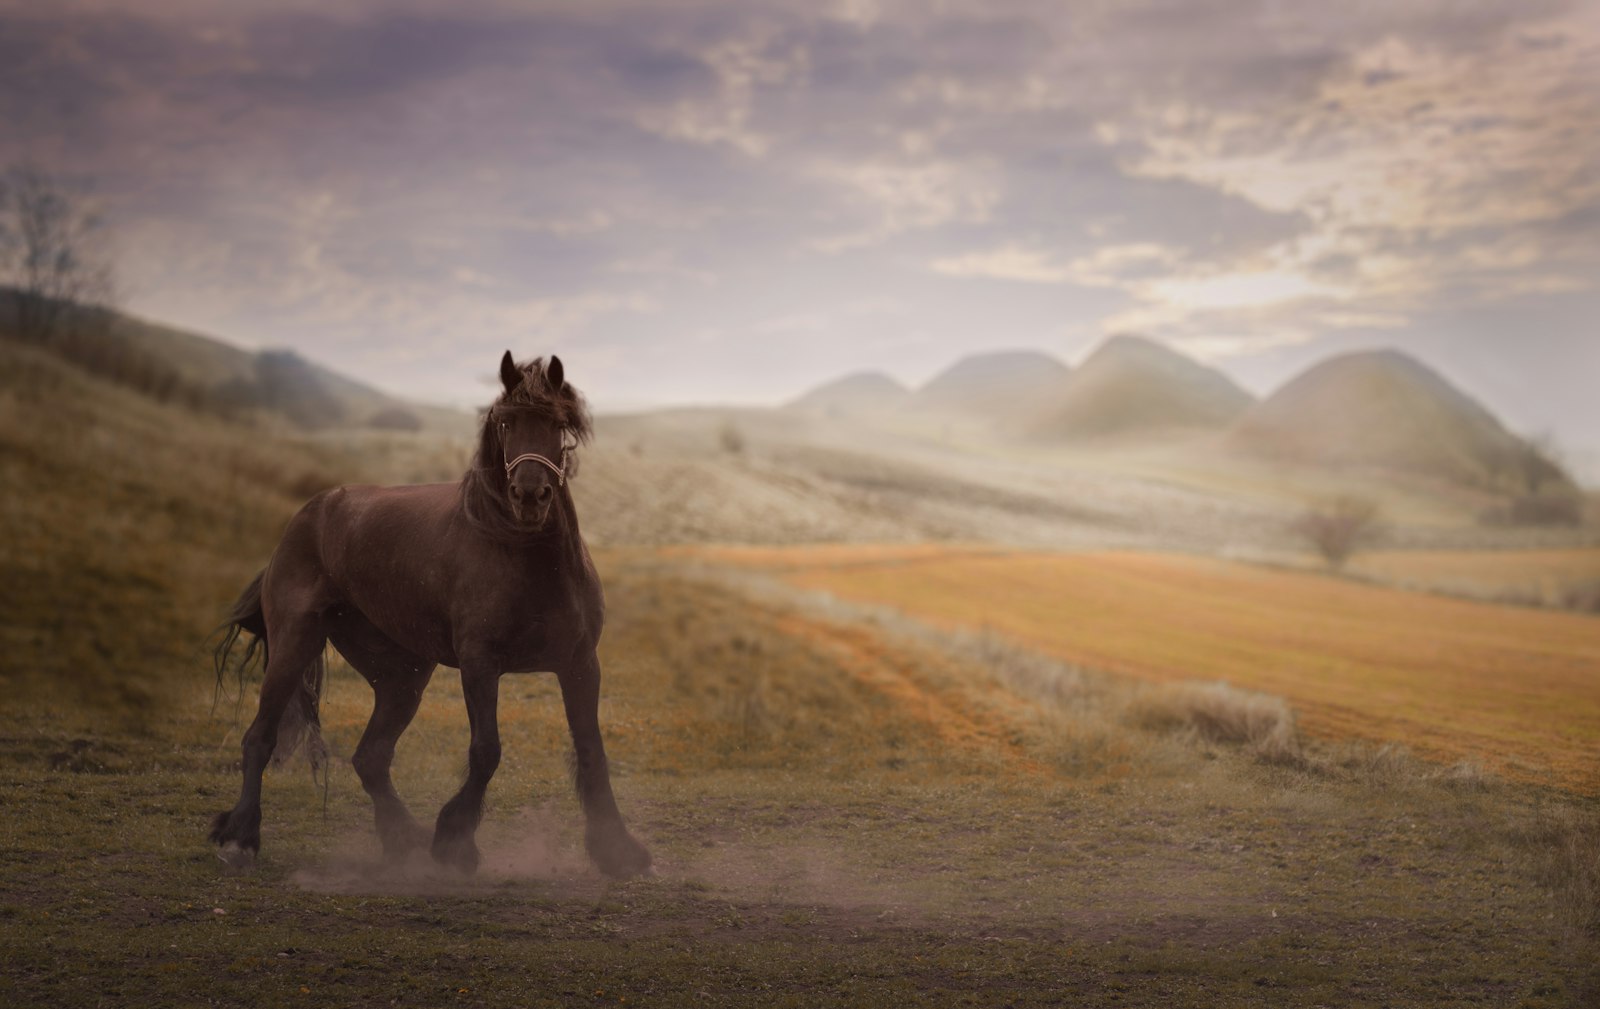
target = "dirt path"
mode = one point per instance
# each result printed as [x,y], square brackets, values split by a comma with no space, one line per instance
[967,718]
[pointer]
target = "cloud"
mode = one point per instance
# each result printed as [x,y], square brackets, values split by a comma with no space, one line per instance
[907,196]
[394,184]
[1418,166]
[743,65]
[1107,266]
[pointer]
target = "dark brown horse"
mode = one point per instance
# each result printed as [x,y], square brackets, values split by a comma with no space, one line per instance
[489,575]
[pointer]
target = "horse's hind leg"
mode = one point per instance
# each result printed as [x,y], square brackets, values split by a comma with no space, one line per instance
[398,679]
[295,644]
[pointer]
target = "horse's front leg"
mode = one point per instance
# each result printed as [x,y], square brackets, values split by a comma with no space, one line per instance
[458,820]
[610,845]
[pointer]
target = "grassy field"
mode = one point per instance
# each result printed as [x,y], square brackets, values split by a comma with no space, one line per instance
[1514,689]
[846,807]
[840,815]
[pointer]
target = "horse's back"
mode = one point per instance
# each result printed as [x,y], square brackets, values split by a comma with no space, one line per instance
[420,573]
[383,550]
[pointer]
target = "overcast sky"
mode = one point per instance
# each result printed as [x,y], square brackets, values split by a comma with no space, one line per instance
[730,202]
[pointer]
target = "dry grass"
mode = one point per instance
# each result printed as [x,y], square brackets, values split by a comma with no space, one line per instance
[1219,713]
[1512,688]
[127,525]
[842,815]
[1557,579]
[1570,866]
[1108,733]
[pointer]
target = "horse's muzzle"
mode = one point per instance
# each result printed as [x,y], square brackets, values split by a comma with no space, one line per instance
[531,506]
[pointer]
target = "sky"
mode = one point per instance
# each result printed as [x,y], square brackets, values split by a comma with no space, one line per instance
[731,202]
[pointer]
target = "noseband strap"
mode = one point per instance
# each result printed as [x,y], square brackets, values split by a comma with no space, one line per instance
[560,471]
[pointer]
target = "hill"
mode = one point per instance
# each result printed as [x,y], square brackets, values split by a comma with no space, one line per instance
[1004,388]
[129,520]
[1385,410]
[172,364]
[1133,385]
[860,394]
[283,382]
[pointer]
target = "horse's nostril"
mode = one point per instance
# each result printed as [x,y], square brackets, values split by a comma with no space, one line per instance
[545,490]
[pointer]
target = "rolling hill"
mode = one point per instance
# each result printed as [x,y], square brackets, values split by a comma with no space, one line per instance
[862,394]
[1131,385]
[176,365]
[1004,388]
[1385,410]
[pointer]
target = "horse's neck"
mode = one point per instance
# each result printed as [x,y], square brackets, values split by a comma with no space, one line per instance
[565,537]
[568,516]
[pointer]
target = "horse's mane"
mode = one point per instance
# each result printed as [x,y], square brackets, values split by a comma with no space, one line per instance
[483,487]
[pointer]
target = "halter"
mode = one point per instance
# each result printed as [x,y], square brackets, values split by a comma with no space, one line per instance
[560,471]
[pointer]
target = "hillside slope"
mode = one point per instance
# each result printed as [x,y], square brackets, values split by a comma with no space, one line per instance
[177,365]
[1003,388]
[1131,385]
[127,524]
[862,394]
[1384,410]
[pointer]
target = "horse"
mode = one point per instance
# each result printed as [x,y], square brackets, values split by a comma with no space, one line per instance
[489,575]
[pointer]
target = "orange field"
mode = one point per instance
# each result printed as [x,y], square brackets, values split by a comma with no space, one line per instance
[1515,689]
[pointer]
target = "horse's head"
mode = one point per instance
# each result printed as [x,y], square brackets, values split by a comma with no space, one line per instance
[536,421]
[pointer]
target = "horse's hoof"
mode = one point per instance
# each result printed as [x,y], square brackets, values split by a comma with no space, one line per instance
[459,855]
[621,857]
[236,856]
[400,841]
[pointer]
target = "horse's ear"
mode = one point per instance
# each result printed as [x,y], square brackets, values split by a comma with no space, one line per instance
[555,374]
[510,374]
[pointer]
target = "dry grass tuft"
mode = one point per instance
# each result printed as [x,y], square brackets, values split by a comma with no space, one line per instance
[1219,713]
[1025,672]
[1466,776]
[1566,844]
[1388,764]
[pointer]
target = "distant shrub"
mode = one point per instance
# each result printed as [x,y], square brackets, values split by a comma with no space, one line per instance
[1582,596]
[288,384]
[395,418]
[1336,528]
[731,438]
[1547,508]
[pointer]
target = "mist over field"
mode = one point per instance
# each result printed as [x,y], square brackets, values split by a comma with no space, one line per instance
[1094,503]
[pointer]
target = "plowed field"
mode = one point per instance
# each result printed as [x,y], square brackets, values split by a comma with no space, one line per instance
[1515,689]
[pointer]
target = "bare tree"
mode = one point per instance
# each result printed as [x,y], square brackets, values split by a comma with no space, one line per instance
[1539,463]
[53,251]
[1336,528]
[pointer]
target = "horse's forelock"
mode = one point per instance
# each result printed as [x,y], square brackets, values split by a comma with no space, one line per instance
[564,406]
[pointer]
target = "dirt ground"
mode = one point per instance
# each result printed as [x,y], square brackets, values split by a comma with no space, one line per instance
[839,815]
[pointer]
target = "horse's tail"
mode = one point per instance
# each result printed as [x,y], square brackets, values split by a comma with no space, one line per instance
[300,723]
